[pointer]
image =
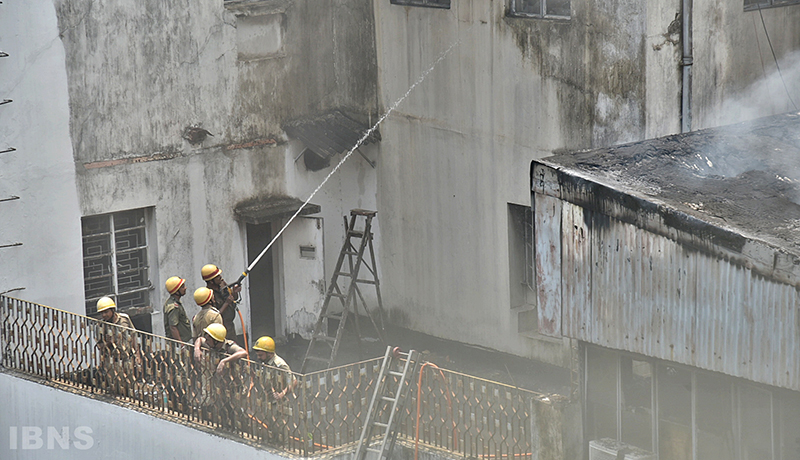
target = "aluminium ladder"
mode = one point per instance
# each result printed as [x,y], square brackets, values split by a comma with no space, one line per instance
[324,345]
[389,398]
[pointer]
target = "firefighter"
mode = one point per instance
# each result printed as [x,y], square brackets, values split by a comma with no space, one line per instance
[108,312]
[213,339]
[215,389]
[225,297]
[204,297]
[265,353]
[176,323]
[115,349]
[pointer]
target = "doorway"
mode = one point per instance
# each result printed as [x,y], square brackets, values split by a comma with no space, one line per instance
[262,285]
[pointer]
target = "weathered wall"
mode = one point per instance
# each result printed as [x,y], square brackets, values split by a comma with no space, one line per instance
[735,77]
[352,186]
[511,90]
[140,73]
[458,149]
[40,172]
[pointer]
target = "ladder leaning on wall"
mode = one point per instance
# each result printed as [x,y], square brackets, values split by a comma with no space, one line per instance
[388,399]
[357,252]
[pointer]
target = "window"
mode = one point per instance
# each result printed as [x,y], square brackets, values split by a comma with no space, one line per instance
[115,260]
[426,3]
[541,8]
[636,378]
[521,255]
[699,415]
[601,393]
[714,427]
[755,423]
[750,5]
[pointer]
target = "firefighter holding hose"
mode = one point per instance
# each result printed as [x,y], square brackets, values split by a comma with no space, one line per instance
[225,297]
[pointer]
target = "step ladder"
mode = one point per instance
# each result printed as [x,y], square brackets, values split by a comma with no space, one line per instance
[388,400]
[357,243]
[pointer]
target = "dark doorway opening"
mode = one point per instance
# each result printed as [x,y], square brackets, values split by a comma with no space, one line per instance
[262,288]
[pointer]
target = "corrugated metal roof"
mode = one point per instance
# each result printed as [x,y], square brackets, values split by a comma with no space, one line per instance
[664,248]
[733,189]
[329,133]
[629,289]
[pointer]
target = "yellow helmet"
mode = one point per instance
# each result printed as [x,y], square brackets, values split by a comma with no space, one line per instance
[209,272]
[216,331]
[265,344]
[203,295]
[105,303]
[174,283]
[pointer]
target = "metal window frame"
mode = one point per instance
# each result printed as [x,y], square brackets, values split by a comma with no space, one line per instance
[115,271]
[530,250]
[543,14]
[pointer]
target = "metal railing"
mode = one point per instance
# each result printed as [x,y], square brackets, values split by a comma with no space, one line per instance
[459,413]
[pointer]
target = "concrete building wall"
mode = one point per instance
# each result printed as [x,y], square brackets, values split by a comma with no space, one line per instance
[132,79]
[735,77]
[457,150]
[46,267]
[353,186]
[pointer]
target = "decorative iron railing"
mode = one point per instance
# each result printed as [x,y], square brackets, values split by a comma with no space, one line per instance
[465,415]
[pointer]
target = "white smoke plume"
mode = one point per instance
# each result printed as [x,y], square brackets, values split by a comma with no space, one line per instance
[778,92]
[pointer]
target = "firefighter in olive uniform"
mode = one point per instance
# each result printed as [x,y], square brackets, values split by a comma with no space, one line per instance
[176,323]
[265,353]
[225,297]
[204,297]
[116,340]
[213,339]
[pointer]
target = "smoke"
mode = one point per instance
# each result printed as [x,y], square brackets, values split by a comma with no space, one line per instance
[778,92]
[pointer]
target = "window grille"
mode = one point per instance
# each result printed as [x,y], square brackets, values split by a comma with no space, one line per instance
[115,259]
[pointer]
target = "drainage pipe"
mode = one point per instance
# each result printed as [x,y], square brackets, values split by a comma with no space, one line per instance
[686,66]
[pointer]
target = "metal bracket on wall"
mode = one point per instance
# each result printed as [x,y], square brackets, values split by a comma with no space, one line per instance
[8,149]
[10,245]
[5,101]
[11,198]
[371,163]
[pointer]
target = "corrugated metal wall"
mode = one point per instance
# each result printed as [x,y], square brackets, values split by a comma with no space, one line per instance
[625,288]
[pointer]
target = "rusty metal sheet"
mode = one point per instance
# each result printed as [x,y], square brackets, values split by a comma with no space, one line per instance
[544,180]
[576,270]
[547,222]
[650,295]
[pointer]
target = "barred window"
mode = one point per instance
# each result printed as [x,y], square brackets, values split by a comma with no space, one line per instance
[521,254]
[426,3]
[115,260]
[558,9]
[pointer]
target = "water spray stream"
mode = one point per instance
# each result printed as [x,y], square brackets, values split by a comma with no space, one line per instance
[350,152]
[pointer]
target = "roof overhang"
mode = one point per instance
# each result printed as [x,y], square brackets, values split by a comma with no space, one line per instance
[330,133]
[270,208]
